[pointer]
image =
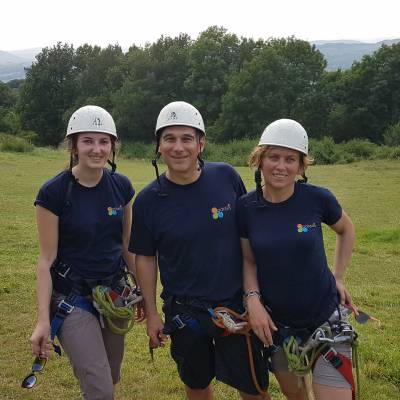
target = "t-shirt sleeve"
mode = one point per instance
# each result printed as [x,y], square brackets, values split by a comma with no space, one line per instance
[142,240]
[51,196]
[241,219]
[332,210]
[241,189]
[129,191]
[239,185]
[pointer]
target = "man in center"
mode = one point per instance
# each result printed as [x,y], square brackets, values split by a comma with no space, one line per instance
[184,223]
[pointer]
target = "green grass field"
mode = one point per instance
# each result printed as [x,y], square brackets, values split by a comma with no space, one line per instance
[369,192]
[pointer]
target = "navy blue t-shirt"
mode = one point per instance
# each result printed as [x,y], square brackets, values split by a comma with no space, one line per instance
[287,243]
[90,227]
[193,232]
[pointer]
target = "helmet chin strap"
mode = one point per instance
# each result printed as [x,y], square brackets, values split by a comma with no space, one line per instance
[259,192]
[200,160]
[154,164]
[258,181]
[201,163]
[112,163]
[304,178]
[160,191]
[71,161]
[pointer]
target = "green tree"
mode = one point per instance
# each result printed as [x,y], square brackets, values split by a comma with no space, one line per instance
[213,58]
[155,76]
[8,117]
[269,87]
[391,135]
[7,97]
[99,74]
[49,90]
[371,92]
[320,109]
[14,84]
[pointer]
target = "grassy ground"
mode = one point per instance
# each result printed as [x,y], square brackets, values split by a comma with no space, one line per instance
[370,193]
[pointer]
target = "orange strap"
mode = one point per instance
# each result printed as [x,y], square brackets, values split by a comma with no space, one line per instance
[244,330]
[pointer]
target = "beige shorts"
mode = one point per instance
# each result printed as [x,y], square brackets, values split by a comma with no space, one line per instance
[324,373]
[94,352]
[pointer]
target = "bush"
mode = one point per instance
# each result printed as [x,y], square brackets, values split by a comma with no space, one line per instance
[235,152]
[324,151]
[395,153]
[137,150]
[15,144]
[356,149]
[391,136]
[29,136]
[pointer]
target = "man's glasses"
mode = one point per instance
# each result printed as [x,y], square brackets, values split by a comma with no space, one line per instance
[31,379]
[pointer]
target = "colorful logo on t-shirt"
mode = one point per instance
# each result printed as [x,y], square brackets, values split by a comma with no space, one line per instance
[302,228]
[218,213]
[114,210]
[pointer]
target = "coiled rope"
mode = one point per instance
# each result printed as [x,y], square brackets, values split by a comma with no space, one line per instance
[108,310]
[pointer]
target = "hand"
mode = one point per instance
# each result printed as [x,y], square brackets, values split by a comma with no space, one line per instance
[345,297]
[260,320]
[155,328]
[41,345]
[140,312]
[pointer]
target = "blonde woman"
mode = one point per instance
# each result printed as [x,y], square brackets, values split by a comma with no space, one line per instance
[289,289]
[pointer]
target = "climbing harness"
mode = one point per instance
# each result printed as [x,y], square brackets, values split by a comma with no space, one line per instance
[113,305]
[224,322]
[111,298]
[303,354]
[64,308]
[235,323]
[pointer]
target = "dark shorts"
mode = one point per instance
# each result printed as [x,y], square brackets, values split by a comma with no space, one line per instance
[202,354]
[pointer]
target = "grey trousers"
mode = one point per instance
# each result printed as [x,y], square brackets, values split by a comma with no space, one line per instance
[95,353]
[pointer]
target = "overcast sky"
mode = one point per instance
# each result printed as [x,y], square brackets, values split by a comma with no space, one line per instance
[38,23]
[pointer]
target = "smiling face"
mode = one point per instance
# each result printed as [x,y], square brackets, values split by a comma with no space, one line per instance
[180,146]
[280,166]
[93,149]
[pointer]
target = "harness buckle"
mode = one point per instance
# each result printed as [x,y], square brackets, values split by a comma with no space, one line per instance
[65,308]
[331,357]
[64,273]
[123,291]
[178,322]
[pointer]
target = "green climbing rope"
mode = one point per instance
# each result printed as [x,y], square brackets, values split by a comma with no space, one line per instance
[110,311]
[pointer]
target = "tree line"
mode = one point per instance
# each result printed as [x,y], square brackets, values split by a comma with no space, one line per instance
[238,84]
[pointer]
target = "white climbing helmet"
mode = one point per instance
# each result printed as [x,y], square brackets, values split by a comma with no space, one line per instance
[91,119]
[180,113]
[285,133]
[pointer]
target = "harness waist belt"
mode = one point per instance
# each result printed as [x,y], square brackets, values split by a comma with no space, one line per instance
[65,308]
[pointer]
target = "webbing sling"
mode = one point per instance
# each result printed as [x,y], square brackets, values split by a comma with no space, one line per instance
[240,325]
[341,363]
[64,309]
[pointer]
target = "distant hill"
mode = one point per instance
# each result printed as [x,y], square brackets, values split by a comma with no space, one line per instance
[342,53]
[12,63]
[338,53]
[9,58]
